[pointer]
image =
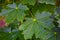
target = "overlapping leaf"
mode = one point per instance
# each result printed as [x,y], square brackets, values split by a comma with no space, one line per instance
[55,36]
[52,2]
[4,36]
[37,26]
[11,35]
[30,2]
[59,23]
[16,12]
[46,7]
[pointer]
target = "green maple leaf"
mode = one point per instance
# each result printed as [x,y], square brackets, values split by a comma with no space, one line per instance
[30,2]
[37,26]
[16,12]
[52,2]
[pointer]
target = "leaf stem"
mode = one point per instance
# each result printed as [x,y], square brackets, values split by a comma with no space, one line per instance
[31,13]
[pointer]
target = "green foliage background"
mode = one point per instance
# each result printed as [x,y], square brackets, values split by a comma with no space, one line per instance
[30,20]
